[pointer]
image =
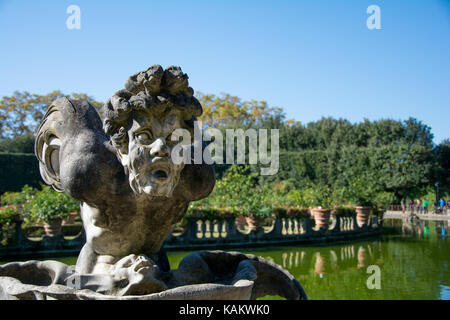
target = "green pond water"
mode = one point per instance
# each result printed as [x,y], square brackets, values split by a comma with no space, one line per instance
[412,259]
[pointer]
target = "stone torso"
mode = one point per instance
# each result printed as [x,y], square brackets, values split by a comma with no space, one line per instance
[130,228]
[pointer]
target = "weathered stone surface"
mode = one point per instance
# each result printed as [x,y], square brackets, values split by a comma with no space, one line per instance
[201,275]
[131,195]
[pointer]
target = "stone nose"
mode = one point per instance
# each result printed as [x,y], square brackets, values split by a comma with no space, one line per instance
[159,148]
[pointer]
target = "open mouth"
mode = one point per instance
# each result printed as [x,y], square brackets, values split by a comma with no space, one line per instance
[160,174]
[160,169]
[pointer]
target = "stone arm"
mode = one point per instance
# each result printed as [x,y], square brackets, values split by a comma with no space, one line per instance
[230,267]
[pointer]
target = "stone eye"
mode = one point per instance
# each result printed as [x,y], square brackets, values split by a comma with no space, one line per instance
[143,138]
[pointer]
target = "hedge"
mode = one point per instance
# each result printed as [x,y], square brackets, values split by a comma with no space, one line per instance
[17,170]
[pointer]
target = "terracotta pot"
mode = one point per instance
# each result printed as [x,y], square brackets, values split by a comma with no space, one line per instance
[71,218]
[53,227]
[254,223]
[362,215]
[321,217]
[240,222]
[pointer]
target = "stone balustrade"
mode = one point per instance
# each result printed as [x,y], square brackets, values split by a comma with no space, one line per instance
[201,233]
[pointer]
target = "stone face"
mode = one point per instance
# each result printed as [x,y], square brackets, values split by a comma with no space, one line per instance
[131,195]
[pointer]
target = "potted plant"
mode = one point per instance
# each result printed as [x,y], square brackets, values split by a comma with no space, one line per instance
[299,205]
[319,199]
[239,192]
[256,211]
[297,198]
[362,193]
[19,200]
[70,219]
[227,193]
[8,220]
[50,207]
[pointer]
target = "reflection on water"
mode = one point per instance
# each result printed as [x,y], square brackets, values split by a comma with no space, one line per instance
[421,228]
[413,258]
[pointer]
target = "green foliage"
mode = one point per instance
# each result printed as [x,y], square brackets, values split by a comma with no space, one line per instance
[383,199]
[333,151]
[8,217]
[18,170]
[48,204]
[237,192]
[398,156]
[21,113]
[18,198]
[228,110]
[18,144]
[257,205]
[207,213]
[279,194]
[362,191]
[442,165]
[318,196]
[297,197]
[243,193]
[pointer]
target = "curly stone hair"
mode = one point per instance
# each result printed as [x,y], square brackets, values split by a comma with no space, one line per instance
[154,89]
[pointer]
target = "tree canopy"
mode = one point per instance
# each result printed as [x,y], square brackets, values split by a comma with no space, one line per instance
[22,112]
[399,156]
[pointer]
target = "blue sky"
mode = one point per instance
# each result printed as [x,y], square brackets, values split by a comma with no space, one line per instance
[313,58]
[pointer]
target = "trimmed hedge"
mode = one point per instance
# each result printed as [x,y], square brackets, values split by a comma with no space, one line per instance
[17,170]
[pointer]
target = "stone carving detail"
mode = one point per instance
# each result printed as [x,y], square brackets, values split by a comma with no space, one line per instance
[131,195]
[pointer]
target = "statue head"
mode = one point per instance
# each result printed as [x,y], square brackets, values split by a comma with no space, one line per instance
[141,119]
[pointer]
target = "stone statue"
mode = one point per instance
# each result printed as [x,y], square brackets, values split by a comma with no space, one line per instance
[132,194]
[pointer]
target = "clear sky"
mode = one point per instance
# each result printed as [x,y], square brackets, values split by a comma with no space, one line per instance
[313,58]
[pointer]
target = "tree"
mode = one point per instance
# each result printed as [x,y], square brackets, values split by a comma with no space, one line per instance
[22,112]
[231,111]
[18,144]
[442,165]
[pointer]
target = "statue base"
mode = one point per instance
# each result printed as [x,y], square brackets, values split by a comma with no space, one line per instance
[203,275]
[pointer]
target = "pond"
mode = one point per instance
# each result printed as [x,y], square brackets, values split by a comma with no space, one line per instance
[412,259]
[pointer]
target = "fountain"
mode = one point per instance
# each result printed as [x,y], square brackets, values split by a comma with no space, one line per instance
[131,194]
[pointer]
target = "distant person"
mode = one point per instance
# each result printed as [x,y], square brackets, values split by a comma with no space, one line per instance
[436,206]
[411,206]
[425,204]
[441,204]
[419,206]
[403,204]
